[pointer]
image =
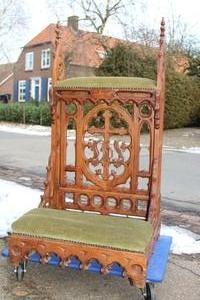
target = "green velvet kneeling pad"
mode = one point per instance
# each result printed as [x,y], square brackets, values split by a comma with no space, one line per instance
[86,228]
[129,83]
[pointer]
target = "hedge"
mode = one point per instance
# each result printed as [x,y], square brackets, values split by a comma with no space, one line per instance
[182,101]
[182,106]
[27,113]
[182,97]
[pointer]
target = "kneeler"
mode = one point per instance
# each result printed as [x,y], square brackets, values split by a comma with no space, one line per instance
[101,205]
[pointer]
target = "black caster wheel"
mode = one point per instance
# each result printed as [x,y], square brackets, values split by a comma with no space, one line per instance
[20,270]
[148,292]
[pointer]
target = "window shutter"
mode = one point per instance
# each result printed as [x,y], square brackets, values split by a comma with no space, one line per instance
[27,96]
[15,91]
[44,89]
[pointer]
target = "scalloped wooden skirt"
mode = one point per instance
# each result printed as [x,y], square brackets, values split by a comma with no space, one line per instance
[134,264]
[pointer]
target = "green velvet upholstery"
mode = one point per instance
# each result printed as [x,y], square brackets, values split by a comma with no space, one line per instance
[106,82]
[104,231]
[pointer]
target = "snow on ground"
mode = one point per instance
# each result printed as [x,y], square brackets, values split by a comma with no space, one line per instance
[193,150]
[26,129]
[30,129]
[184,241]
[16,199]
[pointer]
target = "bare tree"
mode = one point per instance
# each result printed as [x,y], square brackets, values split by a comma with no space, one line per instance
[12,21]
[98,13]
[143,35]
[180,36]
[95,14]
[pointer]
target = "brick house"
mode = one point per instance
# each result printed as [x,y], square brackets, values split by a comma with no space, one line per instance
[84,52]
[6,82]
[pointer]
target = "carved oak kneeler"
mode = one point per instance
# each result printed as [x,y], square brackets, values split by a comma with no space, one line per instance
[102,195]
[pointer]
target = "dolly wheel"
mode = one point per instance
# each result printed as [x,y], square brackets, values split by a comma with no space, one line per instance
[148,292]
[20,270]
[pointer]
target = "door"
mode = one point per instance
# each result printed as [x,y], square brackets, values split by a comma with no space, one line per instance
[36,88]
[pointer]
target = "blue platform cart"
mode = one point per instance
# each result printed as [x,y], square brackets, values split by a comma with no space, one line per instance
[155,273]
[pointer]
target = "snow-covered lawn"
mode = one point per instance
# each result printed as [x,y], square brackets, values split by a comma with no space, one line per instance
[184,241]
[16,199]
[25,129]
[194,150]
[30,129]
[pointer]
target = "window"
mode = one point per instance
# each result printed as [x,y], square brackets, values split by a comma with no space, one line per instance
[45,58]
[29,61]
[101,53]
[22,91]
[48,88]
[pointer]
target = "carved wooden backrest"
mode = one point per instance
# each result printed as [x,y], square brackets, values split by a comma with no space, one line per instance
[101,165]
[105,164]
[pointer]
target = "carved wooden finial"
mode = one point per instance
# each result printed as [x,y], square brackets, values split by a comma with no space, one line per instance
[161,62]
[58,70]
[162,30]
[58,35]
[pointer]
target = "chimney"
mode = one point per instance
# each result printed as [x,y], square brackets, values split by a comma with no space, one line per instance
[73,22]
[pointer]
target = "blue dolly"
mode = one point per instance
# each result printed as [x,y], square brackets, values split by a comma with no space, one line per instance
[155,271]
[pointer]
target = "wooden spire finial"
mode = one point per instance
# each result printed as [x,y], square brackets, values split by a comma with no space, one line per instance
[58,35]
[162,30]
[161,58]
[58,56]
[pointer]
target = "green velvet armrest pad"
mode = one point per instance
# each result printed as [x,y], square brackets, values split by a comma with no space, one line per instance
[104,231]
[106,82]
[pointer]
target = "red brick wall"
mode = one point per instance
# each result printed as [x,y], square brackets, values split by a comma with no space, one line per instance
[19,70]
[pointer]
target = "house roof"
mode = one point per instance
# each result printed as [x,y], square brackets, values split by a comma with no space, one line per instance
[83,47]
[45,36]
[5,71]
[6,78]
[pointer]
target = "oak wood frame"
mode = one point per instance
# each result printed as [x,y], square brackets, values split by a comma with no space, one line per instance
[134,264]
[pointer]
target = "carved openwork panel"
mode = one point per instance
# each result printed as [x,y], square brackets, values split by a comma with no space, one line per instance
[105,167]
[106,156]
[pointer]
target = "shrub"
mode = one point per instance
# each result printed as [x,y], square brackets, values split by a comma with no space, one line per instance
[45,115]
[124,60]
[181,100]
[27,113]
[182,104]
[11,112]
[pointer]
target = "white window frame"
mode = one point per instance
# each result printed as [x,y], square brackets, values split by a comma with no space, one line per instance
[22,90]
[46,58]
[49,85]
[29,61]
[101,53]
[33,79]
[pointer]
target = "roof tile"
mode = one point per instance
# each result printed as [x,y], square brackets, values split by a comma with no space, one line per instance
[84,48]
